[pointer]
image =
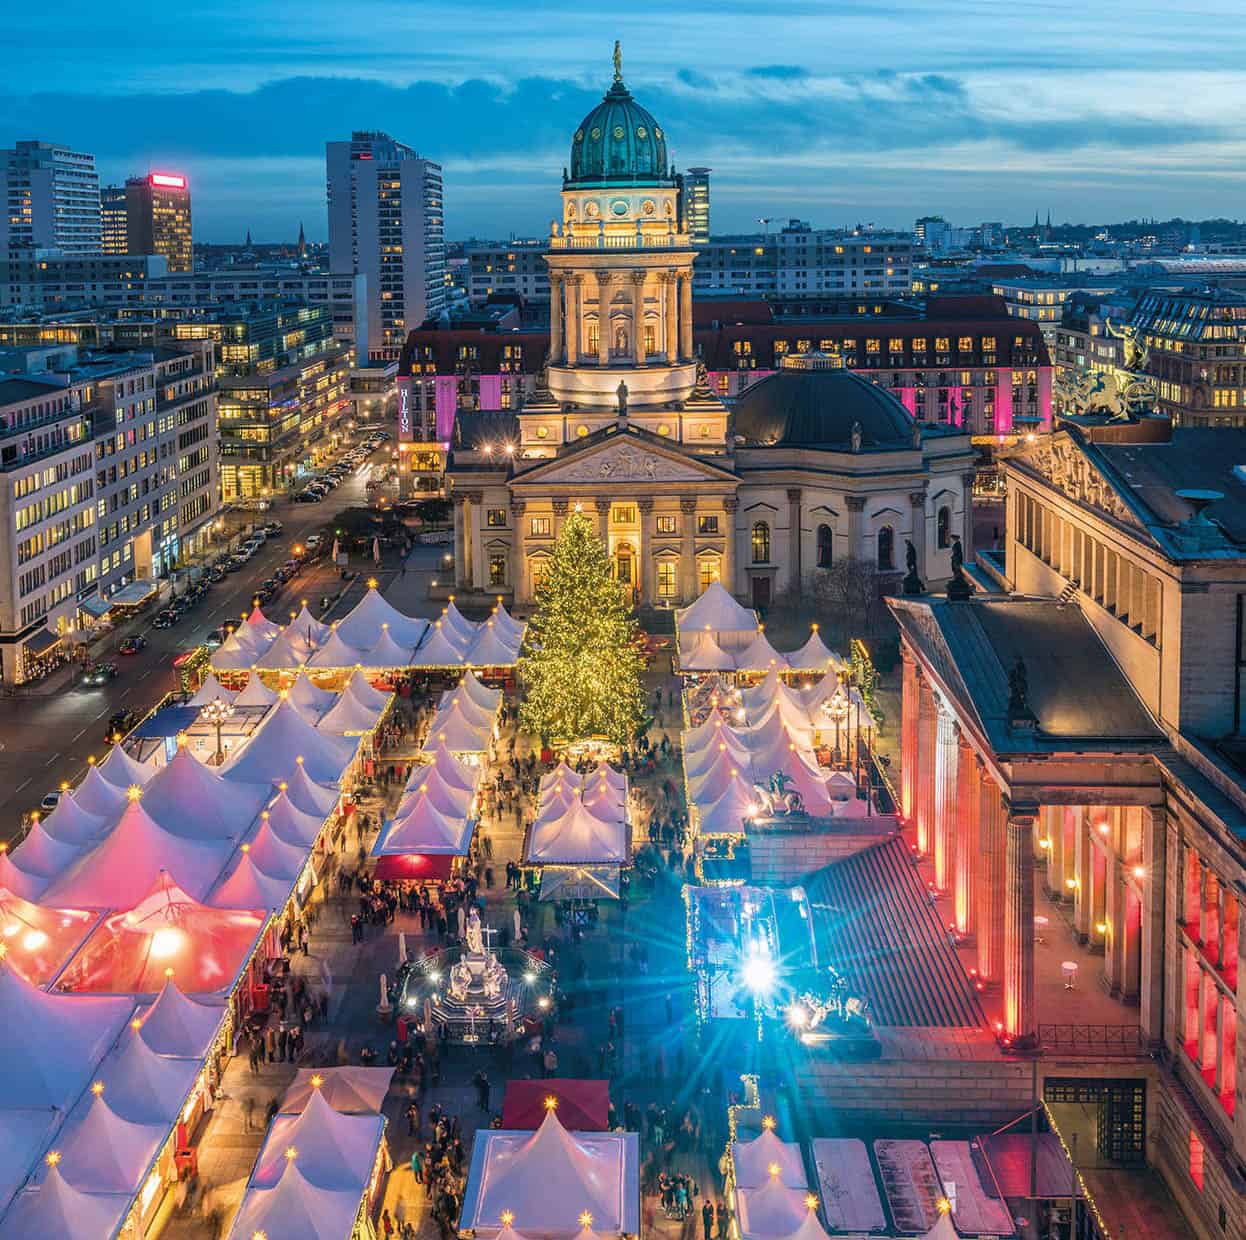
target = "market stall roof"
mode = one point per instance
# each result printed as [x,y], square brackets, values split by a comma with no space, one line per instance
[387,652]
[99,796]
[582,1106]
[190,799]
[294,1209]
[508,623]
[718,611]
[703,654]
[142,1086]
[308,629]
[24,1135]
[461,629]
[349,1090]
[50,1044]
[294,825]
[39,853]
[771,1210]
[70,823]
[493,648]
[365,693]
[846,1185]
[477,716]
[306,795]
[714,780]
[52,1207]
[429,785]
[479,693]
[283,654]
[455,773]
[103,1153]
[350,717]
[815,656]
[363,625]
[308,697]
[211,691]
[439,650]
[120,870]
[247,884]
[726,814]
[337,652]
[334,1150]
[578,837]
[175,1024]
[760,656]
[580,882]
[753,1159]
[460,734]
[167,932]
[975,1209]
[123,770]
[256,693]
[414,868]
[40,939]
[273,855]
[547,1178]
[425,829]
[21,882]
[260,625]
[284,736]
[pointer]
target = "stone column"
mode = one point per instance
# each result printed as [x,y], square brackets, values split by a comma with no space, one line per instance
[604,293]
[1083,872]
[927,713]
[1051,840]
[561,508]
[671,326]
[944,832]
[1114,916]
[1019,1016]
[603,522]
[965,863]
[638,317]
[966,533]
[687,549]
[555,317]
[796,571]
[730,504]
[476,551]
[573,285]
[1155,884]
[917,505]
[991,878]
[644,569]
[909,690]
[856,506]
[461,577]
[519,556]
[686,350]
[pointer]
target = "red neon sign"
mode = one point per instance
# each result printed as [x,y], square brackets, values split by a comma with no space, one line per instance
[169,180]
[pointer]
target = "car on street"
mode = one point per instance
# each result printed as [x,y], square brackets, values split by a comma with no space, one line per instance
[308,497]
[133,644]
[216,574]
[50,802]
[273,528]
[216,637]
[166,619]
[119,724]
[96,674]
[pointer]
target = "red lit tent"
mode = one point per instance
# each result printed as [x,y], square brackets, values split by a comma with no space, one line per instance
[413,867]
[583,1106]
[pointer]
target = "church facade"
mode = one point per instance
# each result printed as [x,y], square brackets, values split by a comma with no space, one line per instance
[811,465]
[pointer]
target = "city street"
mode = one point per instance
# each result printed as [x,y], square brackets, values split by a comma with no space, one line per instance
[49,729]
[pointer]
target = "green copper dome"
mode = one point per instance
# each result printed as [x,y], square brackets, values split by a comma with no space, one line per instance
[618,142]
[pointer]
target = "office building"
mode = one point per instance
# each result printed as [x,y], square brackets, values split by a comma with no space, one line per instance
[386,223]
[41,280]
[694,204]
[800,260]
[510,267]
[51,199]
[158,218]
[113,239]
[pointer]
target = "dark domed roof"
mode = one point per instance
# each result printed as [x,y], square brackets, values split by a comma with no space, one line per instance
[813,406]
[618,142]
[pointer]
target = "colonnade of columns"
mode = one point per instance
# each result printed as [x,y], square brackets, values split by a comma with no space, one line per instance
[568,333]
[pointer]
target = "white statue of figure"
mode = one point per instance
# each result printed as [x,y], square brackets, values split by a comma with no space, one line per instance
[475,939]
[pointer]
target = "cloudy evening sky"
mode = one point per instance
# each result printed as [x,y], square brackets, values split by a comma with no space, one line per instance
[835,112]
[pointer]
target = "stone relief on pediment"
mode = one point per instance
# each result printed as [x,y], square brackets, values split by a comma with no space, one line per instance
[1068,470]
[625,463]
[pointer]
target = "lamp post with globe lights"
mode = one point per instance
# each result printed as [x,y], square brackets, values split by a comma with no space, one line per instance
[215,713]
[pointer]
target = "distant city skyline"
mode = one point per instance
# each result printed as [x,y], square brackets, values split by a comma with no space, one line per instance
[858,113]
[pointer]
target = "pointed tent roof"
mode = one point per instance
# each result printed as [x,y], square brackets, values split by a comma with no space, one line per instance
[716,610]
[21,882]
[704,654]
[306,795]
[42,854]
[439,650]
[291,824]
[426,830]
[294,1209]
[178,1025]
[578,837]
[273,855]
[24,1135]
[307,697]
[50,1044]
[715,780]
[457,732]
[55,1208]
[259,624]
[753,1159]
[730,748]
[99,796]
[362,690]
[810,1229]
[70,823]
[453,772]
[548,1177]
[243,647]
[249,887]
[284,653]
[363,625]
[726,814]
[191,800]
[815,656]
[480,716]
[39,940]
[461,629]
[759,655]
[507,622]
[308,629]
[256,693]
[387,651]
[944,1229]
[121,870]
[336,651]
[771,1210]
[121,769]
[334,1151]
[432,787]
[492,648]
[350,1090]
[211,691]
[284,736]
[479,693]
[143,1087]
[103,1153]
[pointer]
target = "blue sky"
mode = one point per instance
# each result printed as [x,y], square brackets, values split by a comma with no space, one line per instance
[839,113]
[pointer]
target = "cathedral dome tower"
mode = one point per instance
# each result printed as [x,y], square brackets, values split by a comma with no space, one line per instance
[618,143]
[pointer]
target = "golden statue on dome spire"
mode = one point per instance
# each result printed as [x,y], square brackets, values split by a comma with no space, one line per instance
[618,61]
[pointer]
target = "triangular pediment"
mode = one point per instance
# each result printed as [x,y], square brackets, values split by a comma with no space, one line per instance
[630,456]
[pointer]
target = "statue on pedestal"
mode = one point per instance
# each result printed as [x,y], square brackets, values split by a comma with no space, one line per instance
[912,583]
[475,937]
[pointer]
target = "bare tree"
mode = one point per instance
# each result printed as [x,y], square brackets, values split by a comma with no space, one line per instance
[848,599]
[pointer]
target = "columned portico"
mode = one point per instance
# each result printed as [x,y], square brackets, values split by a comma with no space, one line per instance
[927,723]
[965,863]
[991,850]
[944,832]
[1020,1023]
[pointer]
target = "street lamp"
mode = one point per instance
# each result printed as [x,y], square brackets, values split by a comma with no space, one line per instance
[215,713]
[836,709]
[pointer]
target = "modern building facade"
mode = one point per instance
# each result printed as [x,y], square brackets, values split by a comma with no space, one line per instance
[512,267]
[114,238]
[45,280]
[694,204]
[51,200]
[158,218]
[386,222]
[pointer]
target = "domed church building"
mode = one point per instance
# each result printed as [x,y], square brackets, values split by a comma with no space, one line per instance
[810,465]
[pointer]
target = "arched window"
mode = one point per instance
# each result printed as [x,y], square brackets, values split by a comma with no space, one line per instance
[826,546]
[886,549]
[761,543]
[943,528]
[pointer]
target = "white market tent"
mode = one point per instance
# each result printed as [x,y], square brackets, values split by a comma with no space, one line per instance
[580,820]
[273,748]
[772,1210]
[211,691]
[349,1090]
[387,652]
[364,692]
[189,799]
[760,656]
[293,824]
[549,1177]
[103,1153]
[350,717]
[247,886]
[702,653]
[732,626]
[440,650]
[43,855]
[493,647]
[124,771]
[175,1024]
[753,1159]
[144,1087]
[294,1209]
[99,796]
[283,654]
[52,1207]
[815,656]
[366,621]
[256,693]
[305,794]
[480,693]
[336,653]
[311,701]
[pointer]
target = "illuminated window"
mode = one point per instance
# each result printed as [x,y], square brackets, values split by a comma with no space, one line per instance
[497,570]
[495,517]
[919,344]
[780,348]
[943,528]
[707,525]
[542,526]
[594,338]
[872,345]
[988,344]
[1196,1160]
[537,570]
[803,346]
[667,578]
[895,345]
[942,344]
[761,543]
[623,514]
[708,572]
[965,344]
[666,525]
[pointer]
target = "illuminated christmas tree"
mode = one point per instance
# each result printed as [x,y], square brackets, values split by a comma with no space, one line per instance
[580,666]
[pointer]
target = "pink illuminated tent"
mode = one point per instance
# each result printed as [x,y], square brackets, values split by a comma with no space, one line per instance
[133,952]
[772,1210]
[39,940]
[72,824]
[20,882]
[248,884]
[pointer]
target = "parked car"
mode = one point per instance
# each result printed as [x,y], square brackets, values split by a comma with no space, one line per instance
[96,674]
[166,619]
[307,497]
[273,528]
[216,637]
[132,645]
[50,802]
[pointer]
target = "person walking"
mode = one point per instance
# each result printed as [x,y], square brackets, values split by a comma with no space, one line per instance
[707,1220]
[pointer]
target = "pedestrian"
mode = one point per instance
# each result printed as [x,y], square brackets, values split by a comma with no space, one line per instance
[707,1220]
[387,1224]
[248,1112]
[270,1044]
